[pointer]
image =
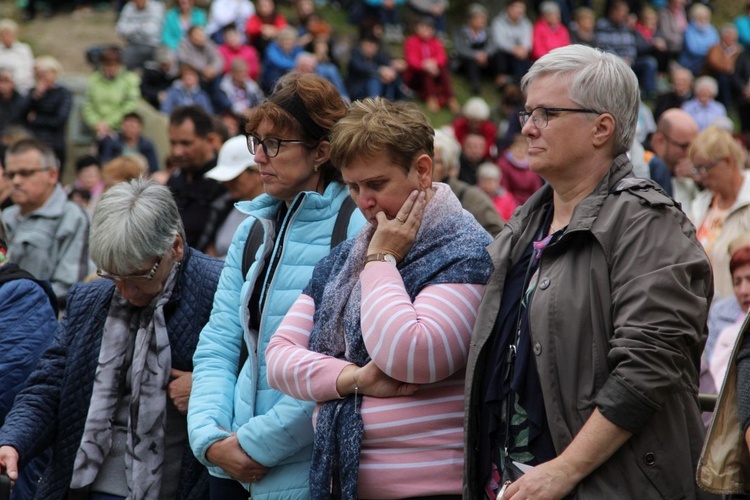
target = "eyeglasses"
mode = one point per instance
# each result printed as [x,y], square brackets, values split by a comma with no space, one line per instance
[703,169]
[540,115]
[681,145]
[130,277]
[270,145]
[24,172]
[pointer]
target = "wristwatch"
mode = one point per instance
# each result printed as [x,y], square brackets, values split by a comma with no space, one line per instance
[381,257]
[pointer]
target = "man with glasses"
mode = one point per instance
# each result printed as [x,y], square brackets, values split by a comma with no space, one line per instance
[669,164]
[582,372]
[48,235]
[192,150]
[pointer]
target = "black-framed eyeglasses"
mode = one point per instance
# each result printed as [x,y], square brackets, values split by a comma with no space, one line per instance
[130,277]
[703,169]
[270,145]
[681,145]
[540,115]
[24,172]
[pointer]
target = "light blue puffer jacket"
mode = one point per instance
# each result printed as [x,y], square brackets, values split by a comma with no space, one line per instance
[272,428]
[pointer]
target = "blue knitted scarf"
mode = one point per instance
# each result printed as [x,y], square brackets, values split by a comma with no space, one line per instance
[449,248]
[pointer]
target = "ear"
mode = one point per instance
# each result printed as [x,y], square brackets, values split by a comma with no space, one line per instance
[424,170]
[603,130]
[54,175]
[179,248]
[322,152]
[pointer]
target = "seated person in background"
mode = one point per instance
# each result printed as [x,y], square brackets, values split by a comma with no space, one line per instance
[648,39]
[157,76]
[241,91]
[512,32]
[88,180]
[233,49]
[264,26]
[226,12]
[124,348]
[129,139]
[682,90]
[372,73]
[28,321]
[279,58]
[582,28]
[475,48]
[140,25]
[549,33]
[427,68]
[436,9]
[700,36]
[179,18]
[703,107]
[47,107]
[672,24]
[123,168]
[306,62]
[112,92]
[614,35]
[12,103]
[186,91]
[473,153]
[475,118]
[445,169]
[47,233]
[720,62]
[201,53]
[517,178]
[488,180]
[16,56]
[386,12]
[237,171]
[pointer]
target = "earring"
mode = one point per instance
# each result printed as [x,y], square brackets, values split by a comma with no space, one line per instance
[316,167]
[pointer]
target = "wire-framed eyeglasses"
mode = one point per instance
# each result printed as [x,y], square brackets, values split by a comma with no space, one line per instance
[130,277]
[540,115]
[270,145]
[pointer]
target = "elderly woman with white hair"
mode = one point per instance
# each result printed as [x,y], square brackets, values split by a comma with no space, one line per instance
[445,169]
[109,395]
[582,376]
[48,106]
[16,55]
[703,107]
[475,119]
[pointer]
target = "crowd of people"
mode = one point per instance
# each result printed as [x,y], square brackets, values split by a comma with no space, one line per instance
[320,294]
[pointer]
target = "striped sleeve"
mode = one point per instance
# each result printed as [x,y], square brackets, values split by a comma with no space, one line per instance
[292,368]
[423,342]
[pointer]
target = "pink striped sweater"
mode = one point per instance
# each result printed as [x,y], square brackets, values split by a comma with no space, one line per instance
[413,445]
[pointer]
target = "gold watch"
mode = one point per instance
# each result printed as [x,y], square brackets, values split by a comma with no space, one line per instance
[381,257]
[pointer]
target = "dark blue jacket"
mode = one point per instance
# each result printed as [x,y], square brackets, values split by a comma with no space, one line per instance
[112,147]
[51,410]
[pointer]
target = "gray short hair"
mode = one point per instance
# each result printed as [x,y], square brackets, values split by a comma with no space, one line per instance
[134,221]
[708,83]
[450,149]
[597,80]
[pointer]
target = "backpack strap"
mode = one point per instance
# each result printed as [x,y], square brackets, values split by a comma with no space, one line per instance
[252,244]
[341,226]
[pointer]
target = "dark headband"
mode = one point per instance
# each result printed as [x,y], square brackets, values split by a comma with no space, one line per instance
[296,107]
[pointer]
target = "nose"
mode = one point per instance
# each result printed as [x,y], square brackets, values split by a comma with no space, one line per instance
[529,128]
[126,289]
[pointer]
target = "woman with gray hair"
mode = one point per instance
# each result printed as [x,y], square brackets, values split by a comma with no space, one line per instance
[582,375]
[110,394]
[703,107]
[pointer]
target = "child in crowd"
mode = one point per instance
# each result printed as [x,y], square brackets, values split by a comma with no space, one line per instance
[488,180]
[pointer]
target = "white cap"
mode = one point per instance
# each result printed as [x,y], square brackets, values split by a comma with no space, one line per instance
[234,158]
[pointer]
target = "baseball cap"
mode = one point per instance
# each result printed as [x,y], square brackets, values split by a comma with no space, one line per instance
[234,158]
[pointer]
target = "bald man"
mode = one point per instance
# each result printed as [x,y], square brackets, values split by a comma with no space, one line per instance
[675,130]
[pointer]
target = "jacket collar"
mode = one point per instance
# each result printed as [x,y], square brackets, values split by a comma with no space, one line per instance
[54,206]
[586,211]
